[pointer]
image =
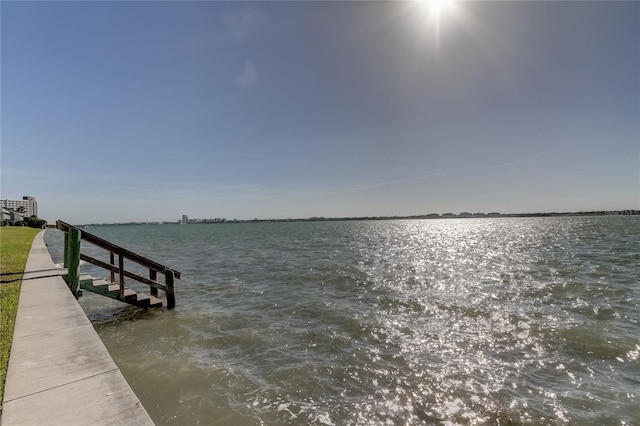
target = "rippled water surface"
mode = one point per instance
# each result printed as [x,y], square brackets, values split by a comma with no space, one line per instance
[461,321]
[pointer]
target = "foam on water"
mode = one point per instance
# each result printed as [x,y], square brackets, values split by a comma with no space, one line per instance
[428,321]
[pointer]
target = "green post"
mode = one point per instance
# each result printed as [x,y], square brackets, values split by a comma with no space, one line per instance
[73,261]
[66,250]
[171,296]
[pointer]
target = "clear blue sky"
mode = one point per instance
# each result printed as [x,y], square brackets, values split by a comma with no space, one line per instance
[135,111]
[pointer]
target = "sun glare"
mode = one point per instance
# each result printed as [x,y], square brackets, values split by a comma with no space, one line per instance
[437,12]
[437,7]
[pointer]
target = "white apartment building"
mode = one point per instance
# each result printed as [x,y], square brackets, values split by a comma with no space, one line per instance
[29,203]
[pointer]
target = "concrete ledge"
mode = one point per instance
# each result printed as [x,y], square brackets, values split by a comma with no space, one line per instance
[60,372]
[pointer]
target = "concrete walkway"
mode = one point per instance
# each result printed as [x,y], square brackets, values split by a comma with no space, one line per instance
[59,372]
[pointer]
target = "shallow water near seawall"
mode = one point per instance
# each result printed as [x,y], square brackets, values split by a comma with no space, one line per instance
[452,321]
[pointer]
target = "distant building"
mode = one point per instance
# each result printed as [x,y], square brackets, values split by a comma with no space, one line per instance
[184,220]
[6,215]
[28,204]
[10,217]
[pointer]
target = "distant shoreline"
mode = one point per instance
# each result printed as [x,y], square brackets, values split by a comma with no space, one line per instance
[463,215]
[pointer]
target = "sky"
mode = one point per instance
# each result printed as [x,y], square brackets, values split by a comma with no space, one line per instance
[145,111]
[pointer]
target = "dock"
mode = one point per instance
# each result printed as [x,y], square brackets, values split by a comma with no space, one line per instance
[60,372]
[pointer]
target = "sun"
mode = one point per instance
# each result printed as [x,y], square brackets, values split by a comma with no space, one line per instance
[436,8]
[437,12]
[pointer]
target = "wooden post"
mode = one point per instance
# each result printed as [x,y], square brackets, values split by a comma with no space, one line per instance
[65,264]
[112,261]
[153,276]
[168,281]
[73,261]
[121,275]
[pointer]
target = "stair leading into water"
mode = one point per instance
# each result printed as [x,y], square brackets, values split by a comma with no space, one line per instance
[112,290]
[117,266]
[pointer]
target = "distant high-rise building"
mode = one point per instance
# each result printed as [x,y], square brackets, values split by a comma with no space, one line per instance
[185,219]
[33,205]
[28,204]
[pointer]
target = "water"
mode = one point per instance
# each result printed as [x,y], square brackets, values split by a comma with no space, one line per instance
[461,321]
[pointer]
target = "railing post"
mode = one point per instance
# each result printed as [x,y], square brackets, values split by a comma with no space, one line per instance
[121,274]
[73,261]
[65,263]
[112,261]
[153,276]
[171,296]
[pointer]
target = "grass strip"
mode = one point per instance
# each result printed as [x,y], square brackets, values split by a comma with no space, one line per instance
[15,243]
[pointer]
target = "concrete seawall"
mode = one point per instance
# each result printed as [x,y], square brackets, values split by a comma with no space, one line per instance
[60,372]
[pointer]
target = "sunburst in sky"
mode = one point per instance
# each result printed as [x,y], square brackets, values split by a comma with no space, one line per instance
[438,11]
[300,109]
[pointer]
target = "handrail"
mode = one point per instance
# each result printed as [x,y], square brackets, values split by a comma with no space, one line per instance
[141,260]
[115,269]
[122,254]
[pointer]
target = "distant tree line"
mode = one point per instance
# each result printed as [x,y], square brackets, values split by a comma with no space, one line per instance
[34,222]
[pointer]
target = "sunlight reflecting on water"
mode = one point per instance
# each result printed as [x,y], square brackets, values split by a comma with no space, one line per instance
[419,321]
